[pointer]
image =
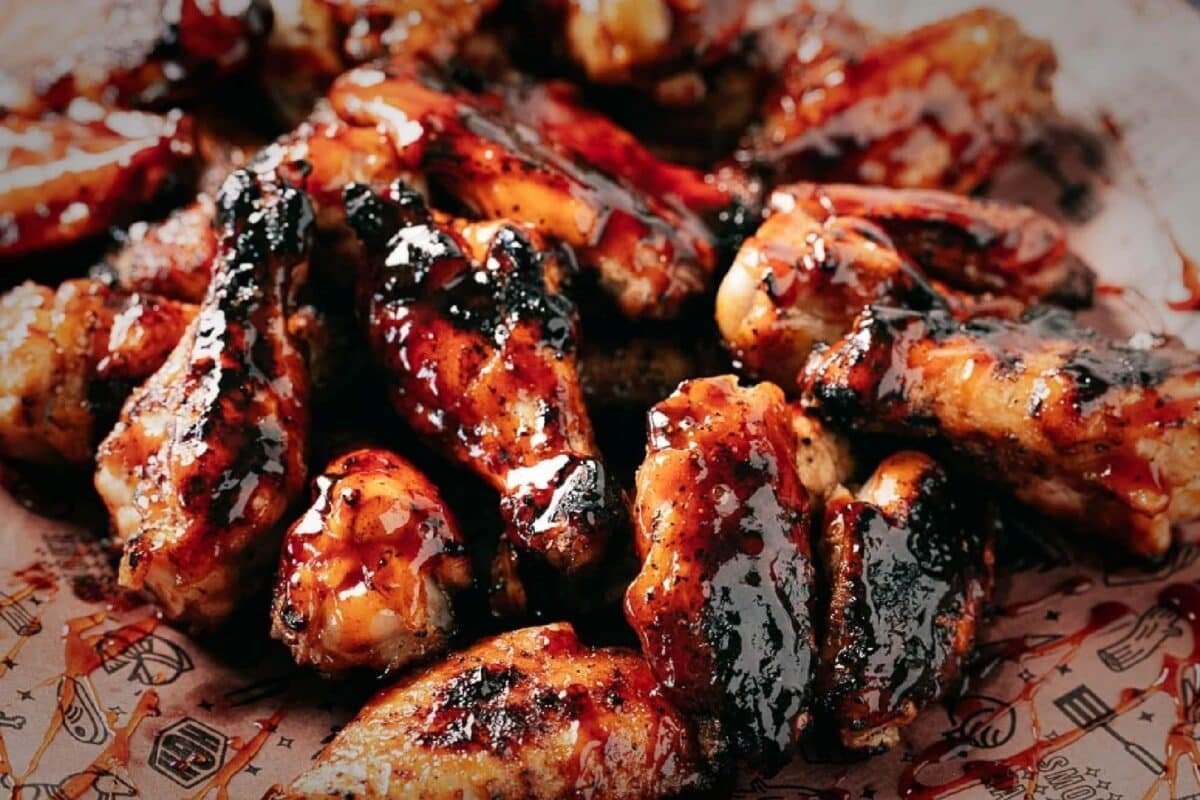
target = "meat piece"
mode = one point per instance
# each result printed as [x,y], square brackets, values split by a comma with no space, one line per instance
[722,524]
[524,152]
[368,573]
[479,349]
[209,452]
[940,107]
[121,52]
[66,355]
[172,258]
[908,573]
[1104,434]
[528,715]
[972,244]
[65,179]
[824,459]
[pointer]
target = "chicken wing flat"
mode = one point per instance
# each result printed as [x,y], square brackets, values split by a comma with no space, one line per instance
[908,573]
[478,346]
[722,602]
[940,107]
[524,152]
[63,180]
[66,355]
[121,52]
[171,258]
[209,452]
[368,573]
[1103,434]
[528,715]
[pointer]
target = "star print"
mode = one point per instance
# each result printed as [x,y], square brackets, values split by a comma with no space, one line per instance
[285,742]
[25,695]
[1092,772]
[1115,796]
[1052,615]
[1063,669]
[1026,675]
[206,705]
[253,770]
[36,601]
[117,710]
[271,727]
[1146,716]
[9,663]
[1103,784]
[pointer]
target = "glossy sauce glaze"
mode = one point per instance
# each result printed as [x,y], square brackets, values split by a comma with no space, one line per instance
[368,572]
[479,350]
[722,602]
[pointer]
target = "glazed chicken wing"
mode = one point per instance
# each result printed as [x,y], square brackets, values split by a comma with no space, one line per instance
[368,573]
[67,356]
[528,715]
[122,52]
[722,603]
[209,452]
[908,573]
[1103,434]
[939,107]
[65,179]
[478,346]
[523,152]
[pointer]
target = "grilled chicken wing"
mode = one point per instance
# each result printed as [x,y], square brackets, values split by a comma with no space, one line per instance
[829,250]
[528,715]
[722,603]
[824,459]
[908,573]
[172,258]
[122,52]
[65,179]
[368,573]
[209,452]
[479,348]
[525,152]
[939,107]
[1104,434]
[67,354]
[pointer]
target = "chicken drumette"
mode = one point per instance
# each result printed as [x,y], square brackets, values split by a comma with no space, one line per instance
[209,452]
[908,571]
[722,603]
[528,715]
[1104,434]
[368,573]
[478,346]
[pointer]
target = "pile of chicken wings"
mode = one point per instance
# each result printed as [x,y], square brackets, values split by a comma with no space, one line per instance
[514,224]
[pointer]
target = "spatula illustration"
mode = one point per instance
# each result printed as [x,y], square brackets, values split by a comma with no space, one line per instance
[1084,708]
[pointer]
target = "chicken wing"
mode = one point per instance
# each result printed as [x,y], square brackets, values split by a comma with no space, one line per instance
[122,52]
[908,573]
[478,346]
[939,107]
[722,523]
[824,458]
[1104,434]
[65,179]
[67,354]
[528,715]
[368,573]
[209,452]
[524,152]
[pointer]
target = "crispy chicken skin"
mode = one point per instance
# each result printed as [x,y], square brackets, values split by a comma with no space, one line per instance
[528,715]
[940,107]
[908,573]
[722,525]
[369,571]
[524,152]
[209,452]
[1103,434]
[65,179]
[479,349]
[172,258]
[121,52]
[67,354]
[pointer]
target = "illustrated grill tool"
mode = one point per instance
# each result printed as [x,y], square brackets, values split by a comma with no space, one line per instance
[1085,708]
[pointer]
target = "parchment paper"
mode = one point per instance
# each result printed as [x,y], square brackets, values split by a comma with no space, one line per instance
[1087,683]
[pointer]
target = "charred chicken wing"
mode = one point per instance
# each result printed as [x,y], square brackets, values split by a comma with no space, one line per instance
[209,452]
[940,107]
[65,179]
[527,715]
[66,358]
[523,152]
[368,573]
[478,346]
[722,603]
[908,572]
[1104,434]
[121,52]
